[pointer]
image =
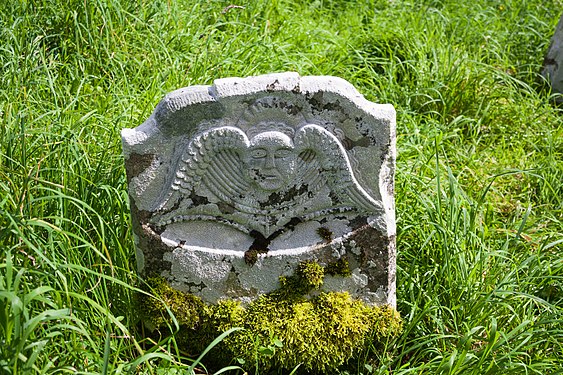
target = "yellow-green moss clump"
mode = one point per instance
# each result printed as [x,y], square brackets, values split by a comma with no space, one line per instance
[308,276]
[187,308]
[282,329]
[341,267]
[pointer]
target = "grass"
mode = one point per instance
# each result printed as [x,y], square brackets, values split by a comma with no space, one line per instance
[479,189]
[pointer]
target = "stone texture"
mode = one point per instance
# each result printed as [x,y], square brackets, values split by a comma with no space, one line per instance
[553,63]
[233,185]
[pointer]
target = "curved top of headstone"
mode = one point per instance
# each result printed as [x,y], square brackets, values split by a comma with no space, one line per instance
[212,101]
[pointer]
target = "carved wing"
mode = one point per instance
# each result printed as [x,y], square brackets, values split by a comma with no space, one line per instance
[327,157]
[212,159]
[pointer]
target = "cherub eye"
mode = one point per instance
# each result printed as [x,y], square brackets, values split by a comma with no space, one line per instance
[258,153]
[280,154]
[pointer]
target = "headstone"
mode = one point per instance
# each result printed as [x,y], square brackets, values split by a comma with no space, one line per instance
[553,62]
[234,185]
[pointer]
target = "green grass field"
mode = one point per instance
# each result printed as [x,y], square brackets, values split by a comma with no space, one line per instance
[479,182]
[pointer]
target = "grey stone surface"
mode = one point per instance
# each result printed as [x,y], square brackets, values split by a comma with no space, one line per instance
[553,63]
[233,185]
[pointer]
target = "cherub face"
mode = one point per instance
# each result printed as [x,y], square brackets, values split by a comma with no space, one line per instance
[270,160]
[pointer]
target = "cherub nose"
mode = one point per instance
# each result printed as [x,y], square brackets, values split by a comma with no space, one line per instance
[270,161]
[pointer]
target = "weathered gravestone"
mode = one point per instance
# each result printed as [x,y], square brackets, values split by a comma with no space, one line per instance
[553,62]
[234,185]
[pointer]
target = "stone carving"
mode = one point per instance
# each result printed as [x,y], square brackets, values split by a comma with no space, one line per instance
[263,179]
[290,168]
[553,62]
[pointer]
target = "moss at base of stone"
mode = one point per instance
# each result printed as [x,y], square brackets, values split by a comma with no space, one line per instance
[322,333]
[154,312]
[308,276]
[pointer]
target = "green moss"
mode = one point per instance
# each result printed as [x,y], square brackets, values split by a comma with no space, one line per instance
[251,257]
[322,333]
[308,276]
[214,320]
[325,234]
[311,274]
[341,267]
[155,312]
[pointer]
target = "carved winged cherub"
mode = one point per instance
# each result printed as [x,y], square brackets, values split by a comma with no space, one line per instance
[265,181]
